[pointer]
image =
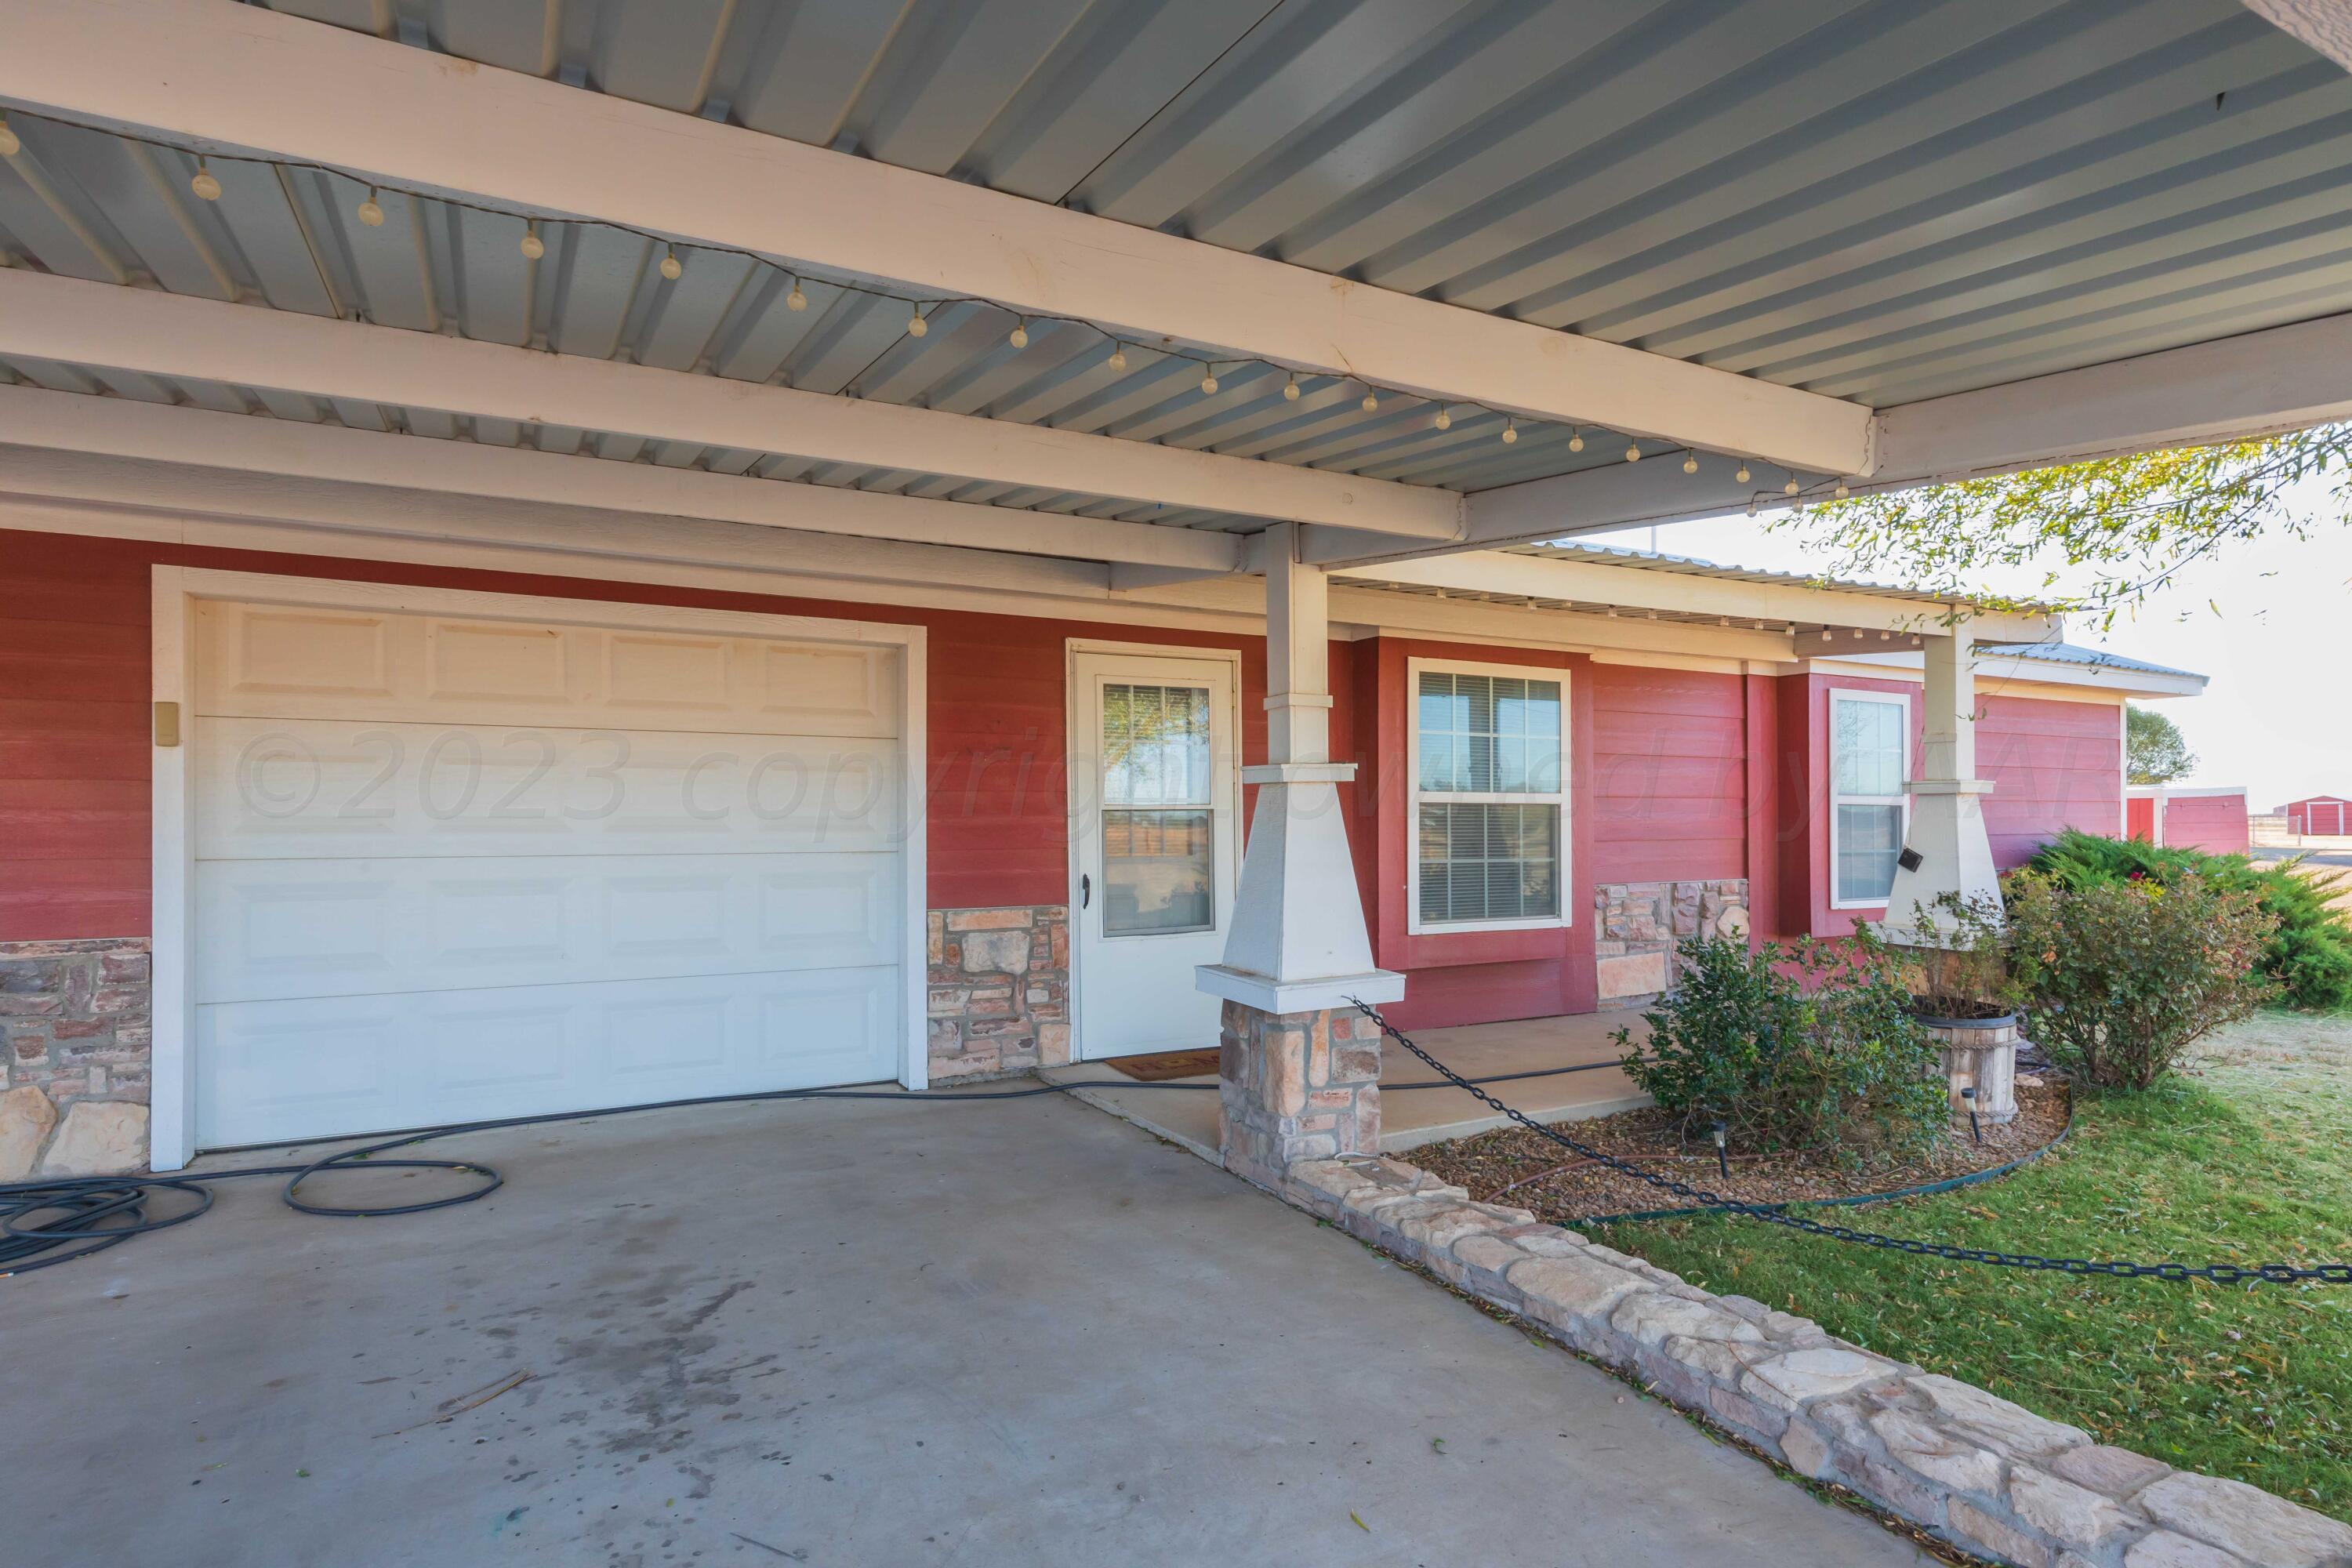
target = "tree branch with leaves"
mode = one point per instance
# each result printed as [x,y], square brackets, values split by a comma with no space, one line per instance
[2118,528]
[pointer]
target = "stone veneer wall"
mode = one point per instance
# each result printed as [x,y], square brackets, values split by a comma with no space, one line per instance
[76,1028]
[1981,1472]
[1000,990]
[1296,1086]
[1639,926]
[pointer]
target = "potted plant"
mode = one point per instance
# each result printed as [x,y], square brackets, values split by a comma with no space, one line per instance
[1955,956]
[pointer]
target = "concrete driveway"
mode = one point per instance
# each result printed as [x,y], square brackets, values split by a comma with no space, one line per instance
[833,1333]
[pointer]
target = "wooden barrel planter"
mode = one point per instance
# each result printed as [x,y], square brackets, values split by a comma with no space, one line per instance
[1980,1054]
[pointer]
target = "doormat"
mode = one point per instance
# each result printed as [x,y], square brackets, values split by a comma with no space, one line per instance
[1167,1065]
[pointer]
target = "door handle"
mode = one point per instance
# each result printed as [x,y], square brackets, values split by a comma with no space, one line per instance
[1086,890]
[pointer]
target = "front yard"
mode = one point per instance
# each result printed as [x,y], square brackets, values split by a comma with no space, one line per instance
[2241,1161]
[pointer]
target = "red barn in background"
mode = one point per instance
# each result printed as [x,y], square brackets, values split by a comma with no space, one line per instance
[2321,816]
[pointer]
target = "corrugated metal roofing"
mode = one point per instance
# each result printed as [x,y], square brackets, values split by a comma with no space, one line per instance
[1692,566]
[1877,199]
[2096,658]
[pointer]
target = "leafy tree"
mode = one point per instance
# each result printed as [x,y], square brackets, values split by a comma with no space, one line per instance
[2131,522]
[2154,750]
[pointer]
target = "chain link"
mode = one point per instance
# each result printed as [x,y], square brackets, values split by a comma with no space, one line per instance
[2219,1273]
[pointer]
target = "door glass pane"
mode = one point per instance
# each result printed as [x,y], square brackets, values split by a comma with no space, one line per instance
[1159,867]
[1156,872]
[1869,838]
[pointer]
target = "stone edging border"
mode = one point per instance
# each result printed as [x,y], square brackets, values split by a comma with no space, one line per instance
[1986,1475]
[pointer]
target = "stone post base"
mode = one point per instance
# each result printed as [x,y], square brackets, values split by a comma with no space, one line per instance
[1982,1056]
[1296,1086]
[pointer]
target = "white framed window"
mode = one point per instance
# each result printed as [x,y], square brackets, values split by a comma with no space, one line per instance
[1870,752]
[1486,750]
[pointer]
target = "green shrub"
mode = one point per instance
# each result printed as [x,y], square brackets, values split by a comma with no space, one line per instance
[2120,977]
[1807,1048]
[2309,956]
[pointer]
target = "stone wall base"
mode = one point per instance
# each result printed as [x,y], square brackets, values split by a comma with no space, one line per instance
[1296,1086]
[1986,1475]
[1638,928]
[1000,990]
[76,1032]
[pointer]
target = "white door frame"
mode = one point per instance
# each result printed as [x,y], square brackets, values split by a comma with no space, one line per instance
[1071,649]
[176,589]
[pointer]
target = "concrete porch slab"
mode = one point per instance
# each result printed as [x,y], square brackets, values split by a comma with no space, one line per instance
[834,1334]
[1415,1116]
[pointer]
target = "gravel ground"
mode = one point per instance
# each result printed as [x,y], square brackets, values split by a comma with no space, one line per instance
[1515,1166]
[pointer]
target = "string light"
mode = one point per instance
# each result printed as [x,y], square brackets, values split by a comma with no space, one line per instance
[1751,506]
[672,268]
[1690,464]
[1825,633]
[1020,338]
[1841,492]
[1791,487]
[1884,637]
[1741,476]
[1633,452]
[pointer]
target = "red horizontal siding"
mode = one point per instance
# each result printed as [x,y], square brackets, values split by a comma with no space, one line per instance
[2054,766]
[2213,823]
[1669,774]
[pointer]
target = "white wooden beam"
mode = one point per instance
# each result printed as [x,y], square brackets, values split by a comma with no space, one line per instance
[111,427]
[77,323]
[2283,378]
[224,78]
[1640,589]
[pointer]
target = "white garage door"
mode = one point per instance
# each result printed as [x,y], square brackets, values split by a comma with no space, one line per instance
[453,868]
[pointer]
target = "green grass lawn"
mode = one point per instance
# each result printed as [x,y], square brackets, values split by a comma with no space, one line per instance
[2240,1164]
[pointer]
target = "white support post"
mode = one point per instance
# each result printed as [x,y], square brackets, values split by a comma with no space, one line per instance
[1946,835]
[1301,1070]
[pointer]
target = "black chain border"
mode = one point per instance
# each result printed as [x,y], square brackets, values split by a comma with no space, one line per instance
[2218,1273]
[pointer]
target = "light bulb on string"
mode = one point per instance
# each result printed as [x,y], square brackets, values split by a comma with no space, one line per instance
[1020,338]
[916,325]
[1690,464]
[1510,431]
[1118,360]
[1791,487]
[370,211]
[533,248]
[1209,382]
[204,184]
[1633,452]
[1841,492]
[671,267]
[1742,476]
[1443,419]
[1371,404]
[1576,441]
[1290,388]
[796,300]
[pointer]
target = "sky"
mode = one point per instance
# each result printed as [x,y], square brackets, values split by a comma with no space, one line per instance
[2269,621]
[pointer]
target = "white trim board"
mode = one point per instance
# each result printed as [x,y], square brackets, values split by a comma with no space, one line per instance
[174,589]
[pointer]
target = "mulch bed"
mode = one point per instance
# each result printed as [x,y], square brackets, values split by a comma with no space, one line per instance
[1514,1166]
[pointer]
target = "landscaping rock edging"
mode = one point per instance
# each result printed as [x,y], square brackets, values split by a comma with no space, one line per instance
[1989,1477]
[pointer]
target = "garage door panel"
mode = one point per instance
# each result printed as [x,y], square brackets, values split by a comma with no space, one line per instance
[276,930]
[277,661]
[322,1067]
[292,788]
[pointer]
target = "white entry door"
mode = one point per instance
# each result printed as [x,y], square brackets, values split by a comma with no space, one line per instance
[1155,799]
[450,867]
